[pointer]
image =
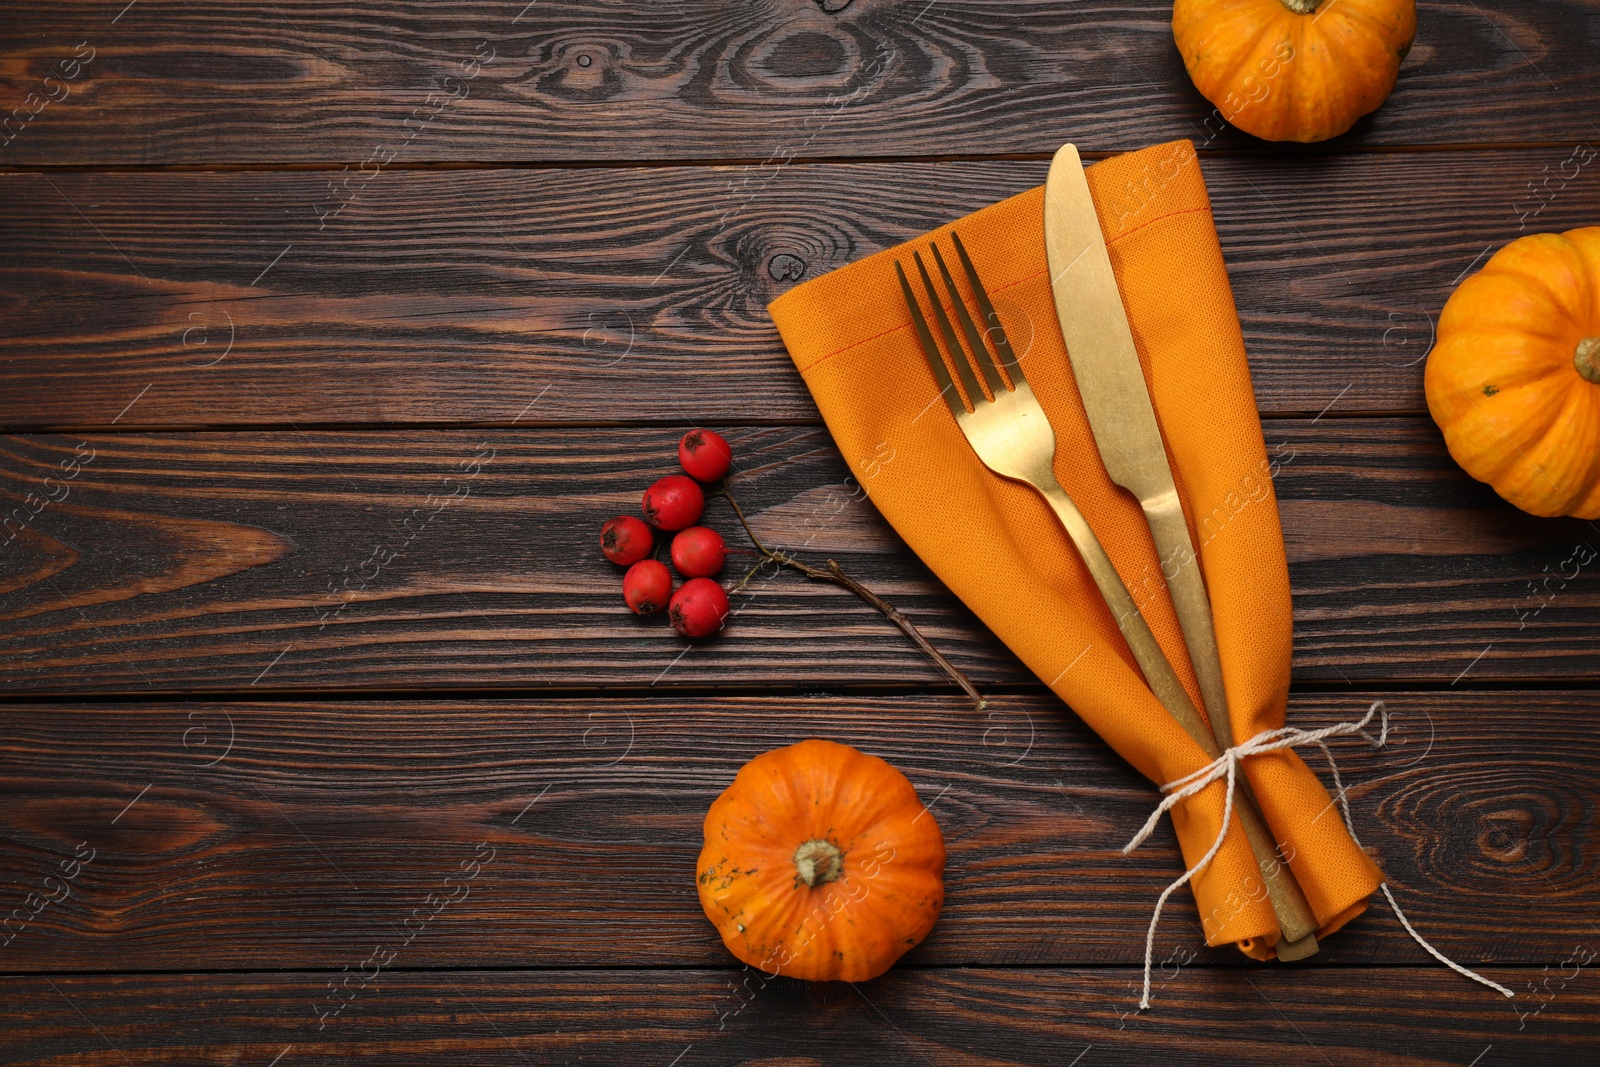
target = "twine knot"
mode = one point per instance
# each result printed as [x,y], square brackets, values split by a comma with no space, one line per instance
[1226,767]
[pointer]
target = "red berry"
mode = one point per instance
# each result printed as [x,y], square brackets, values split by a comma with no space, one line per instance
[674,502]
[704,454]
[646,586]
[698,608]
[698,552]
[626,540]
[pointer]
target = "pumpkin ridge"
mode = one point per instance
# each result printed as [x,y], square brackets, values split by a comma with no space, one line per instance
[1587,504]
[1556,312]
[1540,282]
[1537,401]
[1588,253]
[1355,12]
[1517,463]
[1306,106]
[847,821]
[1241,52]
[1219,20]
[1268,26]
[895,881]
[1540,378]
[1585,501]
[1364,50]
[1560,448]
[1515,366]
[1461,437]
[1464,365]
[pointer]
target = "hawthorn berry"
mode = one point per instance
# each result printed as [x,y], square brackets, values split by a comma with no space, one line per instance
[626,540]
[674,502]
[704,454]
[647,586]
[698,552]
[698,608]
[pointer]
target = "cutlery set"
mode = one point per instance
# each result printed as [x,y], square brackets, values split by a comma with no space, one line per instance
[1010,433]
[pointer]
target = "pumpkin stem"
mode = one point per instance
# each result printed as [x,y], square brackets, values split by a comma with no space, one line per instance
[819,862]
[1587,359]
[1301,7]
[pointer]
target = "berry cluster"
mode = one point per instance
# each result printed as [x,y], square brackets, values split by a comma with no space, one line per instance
[673,505]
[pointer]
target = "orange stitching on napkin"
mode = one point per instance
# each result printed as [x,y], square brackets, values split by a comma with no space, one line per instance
[1158,218]
[856,344]
[1019,281]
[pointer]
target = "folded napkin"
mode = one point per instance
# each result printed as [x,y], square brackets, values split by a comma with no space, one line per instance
[998,547]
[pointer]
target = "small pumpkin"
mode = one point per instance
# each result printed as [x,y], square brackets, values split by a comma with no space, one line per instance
[1294,70]
[1514,378]
[821,863]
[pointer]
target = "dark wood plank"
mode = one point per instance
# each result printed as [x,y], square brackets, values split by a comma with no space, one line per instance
[1408,1017]
[613,295]
[262,561]
[312,80]
[230,835]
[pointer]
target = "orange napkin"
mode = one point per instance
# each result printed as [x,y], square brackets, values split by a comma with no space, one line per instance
[998,547]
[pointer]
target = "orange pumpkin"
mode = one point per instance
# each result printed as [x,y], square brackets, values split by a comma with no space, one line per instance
[1514,379]
[1294,70]
[821,863]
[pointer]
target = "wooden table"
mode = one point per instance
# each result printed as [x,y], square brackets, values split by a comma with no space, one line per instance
[359,753]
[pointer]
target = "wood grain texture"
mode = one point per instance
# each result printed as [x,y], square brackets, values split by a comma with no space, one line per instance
[210,879]
[272,560]
[1407,1017]
[163,299]
[312,80]
[285,835]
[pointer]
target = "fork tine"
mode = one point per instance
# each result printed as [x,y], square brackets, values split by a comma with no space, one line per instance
[981,350]
[941,373]
[996,332]
[958,355]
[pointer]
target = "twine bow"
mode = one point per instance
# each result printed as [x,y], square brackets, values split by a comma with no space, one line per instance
[1226,766]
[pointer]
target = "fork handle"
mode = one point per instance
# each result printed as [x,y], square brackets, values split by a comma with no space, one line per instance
[1295,917]
[1163,680]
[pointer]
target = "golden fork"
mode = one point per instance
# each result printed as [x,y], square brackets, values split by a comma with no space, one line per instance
[1010,433]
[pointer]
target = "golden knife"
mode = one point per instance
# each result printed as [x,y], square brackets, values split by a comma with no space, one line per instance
[1105,363]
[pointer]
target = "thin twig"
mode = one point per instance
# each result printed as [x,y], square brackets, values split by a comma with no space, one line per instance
[835,575]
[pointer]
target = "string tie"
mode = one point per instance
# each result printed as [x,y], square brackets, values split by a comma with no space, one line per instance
[1226,767]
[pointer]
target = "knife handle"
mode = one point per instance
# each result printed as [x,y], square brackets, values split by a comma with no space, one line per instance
[1295,918]
[1181,570]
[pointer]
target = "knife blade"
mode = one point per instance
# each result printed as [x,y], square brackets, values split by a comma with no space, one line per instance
[1105,363]
[1105,360]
